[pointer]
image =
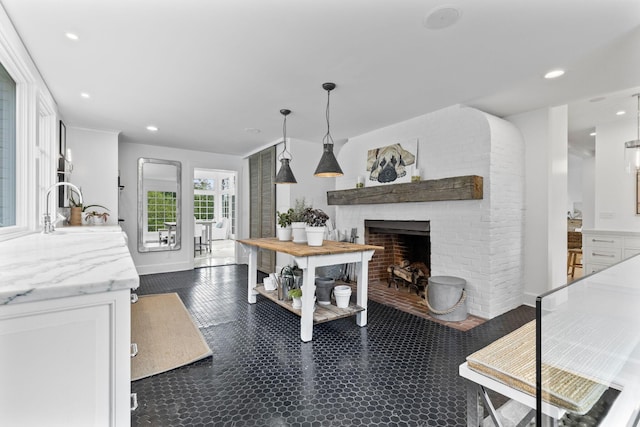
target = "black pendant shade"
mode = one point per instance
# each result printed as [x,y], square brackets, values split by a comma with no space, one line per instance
[328,166]
[285,175]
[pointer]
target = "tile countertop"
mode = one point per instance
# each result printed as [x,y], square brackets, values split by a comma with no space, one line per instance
[71,261]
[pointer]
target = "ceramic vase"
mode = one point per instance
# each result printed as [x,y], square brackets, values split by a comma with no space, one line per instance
[315,235]
[284,233]
[297,302]
[76,216]
[298,232]
[324,286]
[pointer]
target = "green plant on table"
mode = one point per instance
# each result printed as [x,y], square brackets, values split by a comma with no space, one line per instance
[284,218]
[299,209]
[88,214]
[315,217]
[295,293]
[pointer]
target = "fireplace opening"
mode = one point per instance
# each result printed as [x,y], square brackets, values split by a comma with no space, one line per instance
[406,258]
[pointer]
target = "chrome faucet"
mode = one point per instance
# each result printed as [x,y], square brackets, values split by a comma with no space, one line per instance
[48,225]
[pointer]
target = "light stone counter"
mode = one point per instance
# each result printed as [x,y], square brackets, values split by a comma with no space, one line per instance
[71,261]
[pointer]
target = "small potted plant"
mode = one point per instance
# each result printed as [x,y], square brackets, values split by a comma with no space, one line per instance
[91,217]
[284,225]
[94,217]
[75,218]
[296,296]
[316,221]
[298,221]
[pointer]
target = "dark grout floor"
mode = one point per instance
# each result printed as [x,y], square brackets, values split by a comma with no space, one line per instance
[398,370]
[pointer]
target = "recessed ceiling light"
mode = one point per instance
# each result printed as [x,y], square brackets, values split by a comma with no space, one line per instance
[151,128]
[592,134]
[85,95]
[621,113]
[252,130]
[441,17]
[554,74]
[72,36]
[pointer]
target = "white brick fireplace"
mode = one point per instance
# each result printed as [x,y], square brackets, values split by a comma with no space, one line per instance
[478,240]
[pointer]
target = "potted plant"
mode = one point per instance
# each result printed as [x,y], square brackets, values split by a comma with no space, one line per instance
[315,220]
[94,217]
[284,225]
[296,296]
[298,221]
[91,217]
[75,218]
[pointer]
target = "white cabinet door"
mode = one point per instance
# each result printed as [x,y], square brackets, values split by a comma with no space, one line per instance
[65,362]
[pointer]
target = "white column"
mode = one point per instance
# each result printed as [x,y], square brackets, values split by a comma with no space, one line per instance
[545,229]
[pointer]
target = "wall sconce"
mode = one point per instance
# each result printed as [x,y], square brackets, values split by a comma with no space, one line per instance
[328,166]
[285,175]
[632,148]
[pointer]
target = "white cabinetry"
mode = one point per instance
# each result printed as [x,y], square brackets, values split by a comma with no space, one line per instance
[602,248]
[66,361]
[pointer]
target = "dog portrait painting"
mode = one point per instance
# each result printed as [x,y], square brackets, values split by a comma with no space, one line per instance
[389,164]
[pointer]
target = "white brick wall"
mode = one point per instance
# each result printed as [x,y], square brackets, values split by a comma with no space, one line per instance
[478,240]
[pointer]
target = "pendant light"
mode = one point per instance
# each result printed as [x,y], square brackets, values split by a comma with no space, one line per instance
[328,166]
[633,159]
[285,175]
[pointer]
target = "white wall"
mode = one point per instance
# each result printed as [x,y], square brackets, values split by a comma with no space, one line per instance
[478,240]
[588,192]
[545,135]
[614,188]
[574,183]
[182,259]
[95,167]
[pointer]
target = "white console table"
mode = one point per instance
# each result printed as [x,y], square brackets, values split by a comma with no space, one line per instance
[308,258]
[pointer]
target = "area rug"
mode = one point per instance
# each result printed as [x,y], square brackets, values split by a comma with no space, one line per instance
[165,335]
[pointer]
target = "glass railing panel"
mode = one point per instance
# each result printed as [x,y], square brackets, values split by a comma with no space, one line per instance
[588,349]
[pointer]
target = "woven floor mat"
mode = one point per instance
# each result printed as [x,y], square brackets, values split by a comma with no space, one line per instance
[512,361]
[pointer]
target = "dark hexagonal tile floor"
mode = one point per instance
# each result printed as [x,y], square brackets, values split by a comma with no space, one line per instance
[398,370]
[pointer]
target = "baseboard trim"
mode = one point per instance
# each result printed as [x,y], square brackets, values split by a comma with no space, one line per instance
[163,268]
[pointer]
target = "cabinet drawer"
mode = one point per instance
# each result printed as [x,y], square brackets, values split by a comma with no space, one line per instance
[602,241]
[632,242]
[628,253]
[592,268]
[602,255]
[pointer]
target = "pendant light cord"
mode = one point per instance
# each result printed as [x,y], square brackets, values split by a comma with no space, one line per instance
[328,137]
[284,137]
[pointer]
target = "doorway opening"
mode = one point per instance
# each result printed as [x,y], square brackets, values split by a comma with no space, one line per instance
[214,215]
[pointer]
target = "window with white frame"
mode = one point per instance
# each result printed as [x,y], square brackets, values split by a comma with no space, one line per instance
[204,198]
[7,149]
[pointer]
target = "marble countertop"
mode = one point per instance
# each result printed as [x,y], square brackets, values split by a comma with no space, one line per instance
[71,261]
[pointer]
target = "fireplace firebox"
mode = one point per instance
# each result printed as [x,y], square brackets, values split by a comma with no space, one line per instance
[406,244]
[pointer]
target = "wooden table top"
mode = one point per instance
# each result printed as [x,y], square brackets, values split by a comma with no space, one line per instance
[329,247]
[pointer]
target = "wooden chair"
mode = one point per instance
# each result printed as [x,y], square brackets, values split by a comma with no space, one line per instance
[574,258]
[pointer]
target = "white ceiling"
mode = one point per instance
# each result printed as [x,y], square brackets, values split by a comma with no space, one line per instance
[203,71]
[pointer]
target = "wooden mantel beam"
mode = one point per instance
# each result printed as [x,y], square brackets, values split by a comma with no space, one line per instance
[455,188]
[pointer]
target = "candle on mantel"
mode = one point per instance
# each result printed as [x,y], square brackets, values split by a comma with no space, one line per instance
[416,175]
[360,181]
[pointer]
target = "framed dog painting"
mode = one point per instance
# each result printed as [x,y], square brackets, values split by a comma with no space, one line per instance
[391,164]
